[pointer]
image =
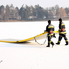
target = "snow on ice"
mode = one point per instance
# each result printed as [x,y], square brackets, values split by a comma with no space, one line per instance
[31,55]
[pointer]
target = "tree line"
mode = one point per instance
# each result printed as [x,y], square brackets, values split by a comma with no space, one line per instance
[32,13]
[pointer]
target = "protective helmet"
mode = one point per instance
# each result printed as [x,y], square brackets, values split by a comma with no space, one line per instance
[49,21]
[60,19]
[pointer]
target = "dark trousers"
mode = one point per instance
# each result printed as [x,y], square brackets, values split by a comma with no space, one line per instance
[64,36]
[49,40]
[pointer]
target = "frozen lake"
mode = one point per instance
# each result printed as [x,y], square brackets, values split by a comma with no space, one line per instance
[31,55]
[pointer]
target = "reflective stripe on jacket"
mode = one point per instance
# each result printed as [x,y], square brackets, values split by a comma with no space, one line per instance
[62,28]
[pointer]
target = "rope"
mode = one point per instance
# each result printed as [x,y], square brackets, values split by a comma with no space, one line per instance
[38,42]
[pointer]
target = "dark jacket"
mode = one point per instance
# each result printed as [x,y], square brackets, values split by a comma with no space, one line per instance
[49,28]
[62,28]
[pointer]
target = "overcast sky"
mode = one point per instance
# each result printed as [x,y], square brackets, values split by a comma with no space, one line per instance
[42,3]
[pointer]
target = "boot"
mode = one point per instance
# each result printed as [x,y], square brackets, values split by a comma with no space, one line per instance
[58,43]
[66,43]
[52,44]
[48,45]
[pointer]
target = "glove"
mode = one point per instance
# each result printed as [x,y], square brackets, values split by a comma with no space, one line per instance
[54,35]
[59,30]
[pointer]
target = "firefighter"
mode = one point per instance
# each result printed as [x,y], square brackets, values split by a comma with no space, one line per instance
[50,29]
[62,32]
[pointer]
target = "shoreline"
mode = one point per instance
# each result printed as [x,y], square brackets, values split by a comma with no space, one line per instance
[31,20]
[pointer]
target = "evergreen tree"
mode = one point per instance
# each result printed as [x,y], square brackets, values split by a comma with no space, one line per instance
[39,12]
[21,13]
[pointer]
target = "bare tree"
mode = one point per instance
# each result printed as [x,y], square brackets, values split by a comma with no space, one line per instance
[61,13]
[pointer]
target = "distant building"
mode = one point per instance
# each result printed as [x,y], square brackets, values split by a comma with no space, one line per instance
[32,17]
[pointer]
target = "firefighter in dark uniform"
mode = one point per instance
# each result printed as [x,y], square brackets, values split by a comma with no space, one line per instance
[50,29]
[62,32]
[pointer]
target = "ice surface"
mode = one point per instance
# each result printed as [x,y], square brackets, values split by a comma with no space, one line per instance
[31,55]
